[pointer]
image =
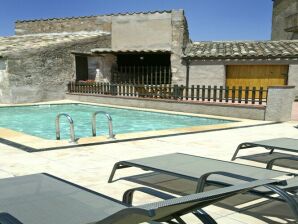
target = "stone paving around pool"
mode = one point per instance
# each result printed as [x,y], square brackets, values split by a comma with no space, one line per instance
[90,166]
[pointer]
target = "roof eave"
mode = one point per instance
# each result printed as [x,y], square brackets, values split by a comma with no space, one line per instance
[238,58]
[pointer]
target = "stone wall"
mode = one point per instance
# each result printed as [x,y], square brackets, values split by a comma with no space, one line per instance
[255,112]
[41,76]
[142,31]
[207,75]
[293,77]
[279,103]
[4,84]
[156,30]
[281,10]
[93,23]
[180,38]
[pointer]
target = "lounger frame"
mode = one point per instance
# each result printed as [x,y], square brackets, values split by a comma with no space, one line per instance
[163,211]
[202,181]
[247,145]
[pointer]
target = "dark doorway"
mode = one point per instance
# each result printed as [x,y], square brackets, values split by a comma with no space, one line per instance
[143,68]
[156,59]
[81,68]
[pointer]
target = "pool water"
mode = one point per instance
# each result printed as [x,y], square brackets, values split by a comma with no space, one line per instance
[39,120]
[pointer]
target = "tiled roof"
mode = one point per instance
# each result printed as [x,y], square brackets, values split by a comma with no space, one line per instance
[20,43]
[109,50]
[82,17]
[242,49]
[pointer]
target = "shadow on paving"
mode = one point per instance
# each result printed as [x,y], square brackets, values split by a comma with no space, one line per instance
[269,211]
[266,157]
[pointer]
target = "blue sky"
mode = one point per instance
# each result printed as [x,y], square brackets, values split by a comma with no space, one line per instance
[207,19]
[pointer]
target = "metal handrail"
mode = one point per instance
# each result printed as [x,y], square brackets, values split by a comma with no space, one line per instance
[72,132]
[111,134]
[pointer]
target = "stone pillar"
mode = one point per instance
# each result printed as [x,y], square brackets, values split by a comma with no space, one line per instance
[279,103]
[293,77]
[179,40]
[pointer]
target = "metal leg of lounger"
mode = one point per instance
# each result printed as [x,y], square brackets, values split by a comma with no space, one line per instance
[201,182]
[117,166]
[271,150]
[241,146]
[128,195]
[287,198]
[200,214]
[271,162]
[204,217]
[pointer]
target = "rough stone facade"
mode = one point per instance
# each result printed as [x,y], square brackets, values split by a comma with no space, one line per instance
[285,20]
[4,89]
[92,23]
[166,30]
[43,75]
[180,39]
[293,77]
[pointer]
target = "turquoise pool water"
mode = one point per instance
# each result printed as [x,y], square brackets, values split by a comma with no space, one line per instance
[40,120]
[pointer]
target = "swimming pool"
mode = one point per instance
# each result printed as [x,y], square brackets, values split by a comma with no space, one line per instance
[39,120]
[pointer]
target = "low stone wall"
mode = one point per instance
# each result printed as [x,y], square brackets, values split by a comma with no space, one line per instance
[256,112]
[278,108]
[279,103]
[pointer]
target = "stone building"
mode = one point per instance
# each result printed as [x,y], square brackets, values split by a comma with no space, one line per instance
[151,47]
[38,67]
[243,63]
[250,63]
[83,48]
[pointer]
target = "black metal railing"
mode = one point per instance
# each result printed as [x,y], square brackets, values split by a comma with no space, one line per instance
[203,93]
[142,75]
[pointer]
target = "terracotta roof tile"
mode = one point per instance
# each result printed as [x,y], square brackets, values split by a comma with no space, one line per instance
[242,49]
[92,16]
[20,43]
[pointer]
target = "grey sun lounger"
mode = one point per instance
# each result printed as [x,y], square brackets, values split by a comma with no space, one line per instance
[280,144]
[45,199]
[211,171]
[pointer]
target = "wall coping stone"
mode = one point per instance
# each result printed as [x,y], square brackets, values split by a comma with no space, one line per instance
[255,106]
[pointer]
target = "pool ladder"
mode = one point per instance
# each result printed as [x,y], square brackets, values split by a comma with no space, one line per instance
[110,121]
[71,124]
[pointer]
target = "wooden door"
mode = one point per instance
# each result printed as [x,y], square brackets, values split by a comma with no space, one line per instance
[256,76]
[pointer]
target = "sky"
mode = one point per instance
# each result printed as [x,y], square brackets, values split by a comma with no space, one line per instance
[207,19]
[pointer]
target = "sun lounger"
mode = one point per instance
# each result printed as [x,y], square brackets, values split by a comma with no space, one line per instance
[280,144]
[45,199]
[205,171]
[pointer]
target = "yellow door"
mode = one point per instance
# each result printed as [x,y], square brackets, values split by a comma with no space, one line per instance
[256,76]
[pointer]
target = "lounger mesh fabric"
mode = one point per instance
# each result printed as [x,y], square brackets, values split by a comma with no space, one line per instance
[195,167]
[43,199]
[202,199]
[266,157]
[53,201]
[286,144]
